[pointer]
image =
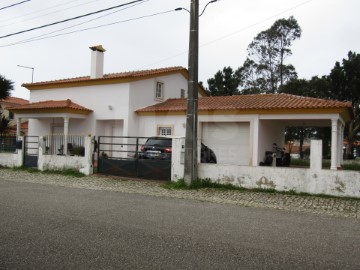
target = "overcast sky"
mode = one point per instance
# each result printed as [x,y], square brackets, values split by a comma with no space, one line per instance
[330,29]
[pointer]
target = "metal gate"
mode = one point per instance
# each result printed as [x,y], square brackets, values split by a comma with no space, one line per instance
[31,151]
[121,156]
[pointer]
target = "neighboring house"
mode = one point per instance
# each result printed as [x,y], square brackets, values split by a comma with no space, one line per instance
[153,102]
[13,102]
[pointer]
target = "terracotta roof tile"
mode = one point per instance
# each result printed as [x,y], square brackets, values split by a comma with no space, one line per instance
[14,101]
[248,102]
[121,75]
[51,104]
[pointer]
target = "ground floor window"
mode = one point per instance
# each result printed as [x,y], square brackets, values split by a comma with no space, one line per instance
[165,130]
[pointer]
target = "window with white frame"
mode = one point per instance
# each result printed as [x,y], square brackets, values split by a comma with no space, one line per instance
[165,130]
[182,93]
[159,90]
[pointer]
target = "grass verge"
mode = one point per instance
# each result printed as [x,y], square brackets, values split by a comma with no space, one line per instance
[65,172]
[206,183]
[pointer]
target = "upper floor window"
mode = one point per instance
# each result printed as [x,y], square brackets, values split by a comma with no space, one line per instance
[182,93]
[11,115]
[159,91]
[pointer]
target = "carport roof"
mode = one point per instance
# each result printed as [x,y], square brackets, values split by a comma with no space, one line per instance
[254,104]
[51,106]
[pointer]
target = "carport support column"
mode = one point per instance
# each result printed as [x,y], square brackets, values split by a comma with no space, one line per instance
[66,133]
[334,143]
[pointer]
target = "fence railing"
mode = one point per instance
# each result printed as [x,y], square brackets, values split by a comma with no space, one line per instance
[55,145]
[8,143]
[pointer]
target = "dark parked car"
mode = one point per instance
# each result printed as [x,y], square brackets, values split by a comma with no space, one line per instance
[157,148]
[161,148]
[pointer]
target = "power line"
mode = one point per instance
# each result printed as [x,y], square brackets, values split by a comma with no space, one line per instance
[72,26]
[70,19]
[15,4]
[89,28]
[46,14]
[33,12]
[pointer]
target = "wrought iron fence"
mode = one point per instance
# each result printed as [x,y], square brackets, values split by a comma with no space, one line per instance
[8,143]
[54,145]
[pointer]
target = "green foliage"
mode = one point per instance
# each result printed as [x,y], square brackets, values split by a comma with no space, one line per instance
[6,86]
[265,70]
[199,184]
[65,172]
[78,151]
[345,86]
[224,83]
[4,124]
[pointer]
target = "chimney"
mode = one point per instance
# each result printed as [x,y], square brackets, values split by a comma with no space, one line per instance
[97,62]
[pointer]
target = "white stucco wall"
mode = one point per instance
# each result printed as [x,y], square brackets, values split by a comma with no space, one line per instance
[56,162]
[142,94]
[313,181]
[270,132]
[9,160]
[107,102]
[336,183]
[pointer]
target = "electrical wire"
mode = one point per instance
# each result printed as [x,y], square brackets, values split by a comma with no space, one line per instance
[70,19]
[89,28]
[33,12]
[16,4]
[72,26]
[46,14]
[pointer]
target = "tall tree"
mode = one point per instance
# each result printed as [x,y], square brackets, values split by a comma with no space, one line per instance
[224,83]
[267,54]
[6,86]
[345,85]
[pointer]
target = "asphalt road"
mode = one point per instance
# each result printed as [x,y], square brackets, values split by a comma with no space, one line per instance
[52,227]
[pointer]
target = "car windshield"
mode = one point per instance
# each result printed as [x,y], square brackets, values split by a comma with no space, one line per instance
[159,142]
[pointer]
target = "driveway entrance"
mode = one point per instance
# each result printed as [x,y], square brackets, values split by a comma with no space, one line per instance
[121,156]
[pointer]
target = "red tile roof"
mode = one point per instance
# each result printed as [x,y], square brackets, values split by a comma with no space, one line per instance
[122,75]
[14,101]
[51,104]
[249,102]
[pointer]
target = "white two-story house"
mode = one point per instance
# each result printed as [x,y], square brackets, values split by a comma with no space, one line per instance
[153,102]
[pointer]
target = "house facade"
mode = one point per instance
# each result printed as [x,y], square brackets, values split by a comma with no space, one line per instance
[153,102]
[100,104]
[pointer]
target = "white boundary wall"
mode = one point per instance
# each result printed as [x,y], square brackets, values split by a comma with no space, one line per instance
[13,159]
[313,181]
[55,162]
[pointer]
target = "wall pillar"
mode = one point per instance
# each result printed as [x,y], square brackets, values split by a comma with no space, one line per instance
[177,159]
[18,127]
[254,142]
[66,133]
[334,143]
[316,155]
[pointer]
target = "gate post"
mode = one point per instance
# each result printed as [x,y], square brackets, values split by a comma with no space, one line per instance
[177,159]
[89,150]
[20,152]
